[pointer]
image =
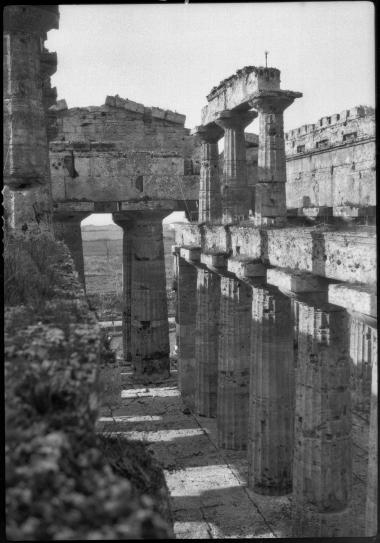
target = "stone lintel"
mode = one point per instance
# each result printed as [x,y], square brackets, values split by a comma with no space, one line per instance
[295,280]
[214,260]
[236,90]
[245,267]
[151,205]
[70,207]
[106,207]
[192,254]
[358,298]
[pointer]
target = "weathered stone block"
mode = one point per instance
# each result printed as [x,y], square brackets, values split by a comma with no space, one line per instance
[244,267]
[358,298]
[295,280]
[192,254]
[214,260]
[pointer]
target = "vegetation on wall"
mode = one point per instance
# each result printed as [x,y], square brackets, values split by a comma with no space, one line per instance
[59,481]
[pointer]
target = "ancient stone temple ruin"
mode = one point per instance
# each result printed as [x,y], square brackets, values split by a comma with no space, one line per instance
[275,269]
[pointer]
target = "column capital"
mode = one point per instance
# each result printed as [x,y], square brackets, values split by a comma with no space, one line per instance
[235,119]
[209,133]
[274,101]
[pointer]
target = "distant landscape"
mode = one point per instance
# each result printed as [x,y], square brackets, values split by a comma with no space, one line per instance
[103,264]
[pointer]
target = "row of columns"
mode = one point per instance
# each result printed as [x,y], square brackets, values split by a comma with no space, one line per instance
[290,408]
[145,314]
[230,200]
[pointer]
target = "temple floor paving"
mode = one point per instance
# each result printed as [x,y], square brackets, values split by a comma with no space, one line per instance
[209,496]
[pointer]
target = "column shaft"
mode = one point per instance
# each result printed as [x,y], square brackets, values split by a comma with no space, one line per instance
[67,229]
[206,342]
[187,307]
[233,363]
[210,203]
[322,469]
[271,394]
[236,194]
[270,195]
[149,312]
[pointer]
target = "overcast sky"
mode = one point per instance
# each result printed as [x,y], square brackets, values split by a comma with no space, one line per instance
[171,55]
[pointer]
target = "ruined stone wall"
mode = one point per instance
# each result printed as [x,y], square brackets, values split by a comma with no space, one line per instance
[132,126]
[124,152]
[332,163]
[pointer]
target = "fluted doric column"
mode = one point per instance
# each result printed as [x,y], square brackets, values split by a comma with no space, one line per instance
[233,363]
[186,316]
[67,228]
[270,196]
[270,450]
[210,203]
[236,194]
[206,342]
[27,192]
[363,350]
[145,286]
[322,468]
[372,479]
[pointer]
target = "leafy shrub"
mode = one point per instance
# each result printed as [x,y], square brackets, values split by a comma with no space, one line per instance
[59,484]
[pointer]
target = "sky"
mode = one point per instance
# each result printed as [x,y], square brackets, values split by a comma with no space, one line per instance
[171,55]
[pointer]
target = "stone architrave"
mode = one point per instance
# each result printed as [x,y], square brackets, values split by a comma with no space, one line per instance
[271,414]
[233,363]
[322,467]
[210,203]
[270,196]
[67,228]
[236,194]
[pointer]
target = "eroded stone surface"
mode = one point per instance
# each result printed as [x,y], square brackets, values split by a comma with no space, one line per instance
[233,363]
[322,483]
[271,399]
